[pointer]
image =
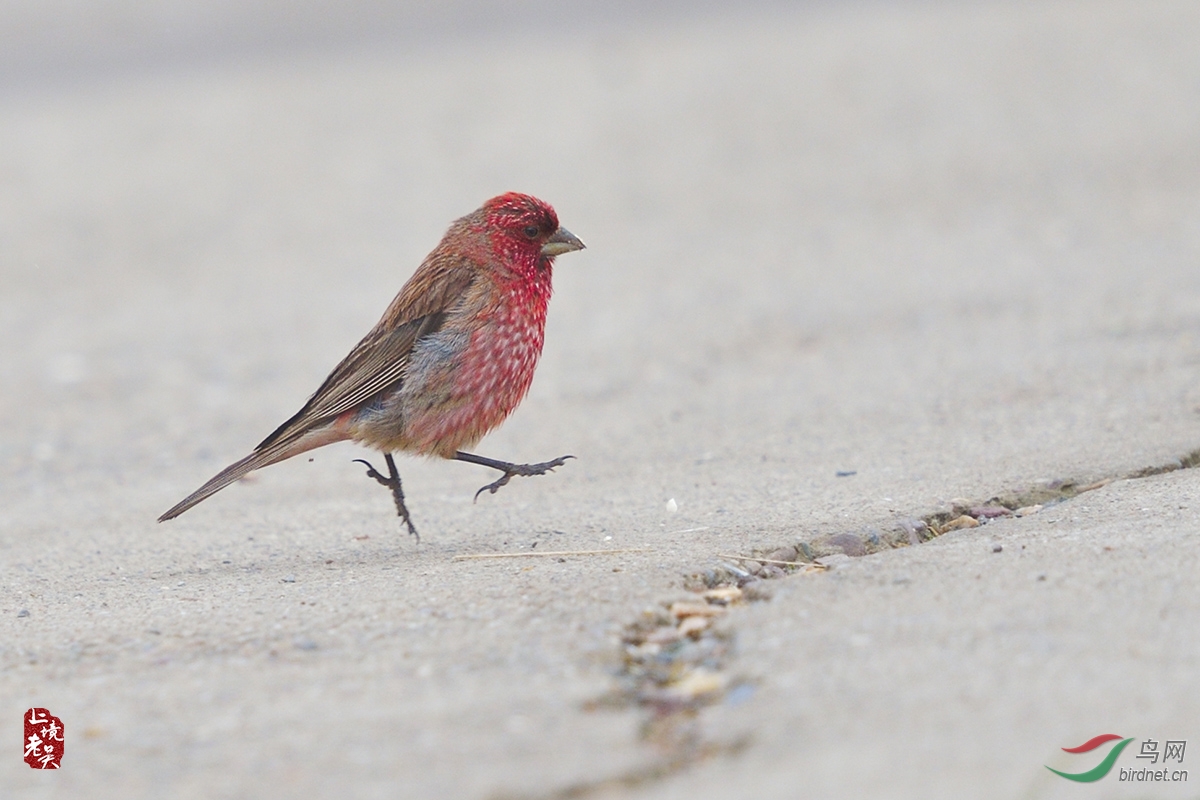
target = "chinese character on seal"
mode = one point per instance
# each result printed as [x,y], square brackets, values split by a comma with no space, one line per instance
[44,739]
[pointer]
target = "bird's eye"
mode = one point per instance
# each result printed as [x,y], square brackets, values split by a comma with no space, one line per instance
[531,231]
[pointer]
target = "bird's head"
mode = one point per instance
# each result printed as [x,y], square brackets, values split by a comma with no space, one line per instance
[527,227]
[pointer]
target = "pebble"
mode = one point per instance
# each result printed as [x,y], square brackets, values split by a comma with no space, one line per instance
[24,612]
[1025,511]
[288,579]
[771,571]
[997,547]
[916,529]
[783,554]
[990,512]
[692,625]
[729,567]
[724,595]
[304,643]
[753,567]
[834,561]
[959,505]
[849,544]
[964,521]
[699,681]
[691,609]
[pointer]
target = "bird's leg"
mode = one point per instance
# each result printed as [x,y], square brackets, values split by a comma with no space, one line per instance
[509,470]
[392,481]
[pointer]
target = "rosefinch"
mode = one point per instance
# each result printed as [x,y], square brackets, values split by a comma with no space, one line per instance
[452,357]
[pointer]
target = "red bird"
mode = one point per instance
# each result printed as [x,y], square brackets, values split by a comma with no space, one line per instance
[452,357]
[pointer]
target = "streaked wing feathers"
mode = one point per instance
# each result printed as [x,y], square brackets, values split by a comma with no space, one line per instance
[379,360]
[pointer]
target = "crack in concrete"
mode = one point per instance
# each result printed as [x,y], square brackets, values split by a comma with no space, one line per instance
[675,658]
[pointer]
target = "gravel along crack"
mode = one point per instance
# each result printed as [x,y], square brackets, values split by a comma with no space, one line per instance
[678,657]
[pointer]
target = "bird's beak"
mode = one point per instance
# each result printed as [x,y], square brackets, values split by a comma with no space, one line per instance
[563,241]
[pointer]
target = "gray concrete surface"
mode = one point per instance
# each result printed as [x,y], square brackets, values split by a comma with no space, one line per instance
[954,248]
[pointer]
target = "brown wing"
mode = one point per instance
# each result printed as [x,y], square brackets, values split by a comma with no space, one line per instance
[377,363]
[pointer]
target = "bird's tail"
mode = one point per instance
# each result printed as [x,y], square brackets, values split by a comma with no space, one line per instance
[262,457]
[233,472]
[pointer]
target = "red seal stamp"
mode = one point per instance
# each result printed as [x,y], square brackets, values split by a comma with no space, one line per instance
[44,739]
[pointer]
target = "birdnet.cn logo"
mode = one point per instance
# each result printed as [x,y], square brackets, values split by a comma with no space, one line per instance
[1151,771]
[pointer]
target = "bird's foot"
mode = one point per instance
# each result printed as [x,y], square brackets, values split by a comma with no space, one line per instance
[392,481]
[510,470]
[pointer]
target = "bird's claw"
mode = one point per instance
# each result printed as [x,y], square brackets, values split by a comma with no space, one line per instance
[520,470]
[494,486]
[372,472]
[392,482]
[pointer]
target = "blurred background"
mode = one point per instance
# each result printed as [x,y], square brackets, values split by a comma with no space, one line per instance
[763,189]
